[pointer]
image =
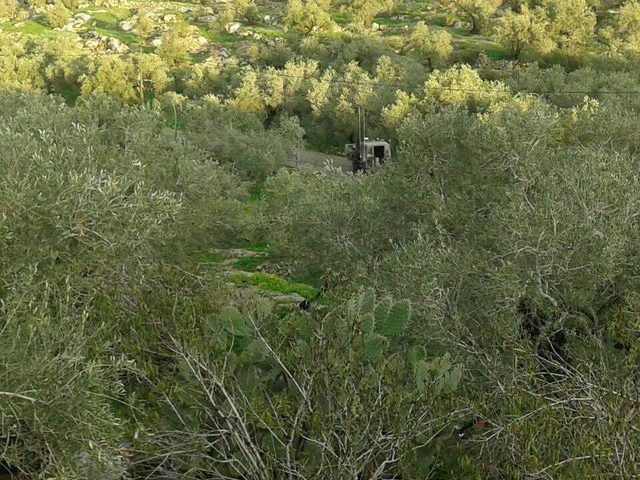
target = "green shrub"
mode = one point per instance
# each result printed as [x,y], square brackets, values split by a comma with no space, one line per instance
[90,216]
[299,388]
[58,15]
[9,9]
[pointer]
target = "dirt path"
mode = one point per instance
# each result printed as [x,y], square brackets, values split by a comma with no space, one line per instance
[319,160]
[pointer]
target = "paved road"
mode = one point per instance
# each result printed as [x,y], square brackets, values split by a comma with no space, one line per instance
[318,161]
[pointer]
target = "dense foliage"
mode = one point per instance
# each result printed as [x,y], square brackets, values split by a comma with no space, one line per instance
[177,303]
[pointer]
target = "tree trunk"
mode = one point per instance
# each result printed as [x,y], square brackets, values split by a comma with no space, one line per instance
[475,25]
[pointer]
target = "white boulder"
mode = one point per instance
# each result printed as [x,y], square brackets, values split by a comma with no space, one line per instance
[233,27]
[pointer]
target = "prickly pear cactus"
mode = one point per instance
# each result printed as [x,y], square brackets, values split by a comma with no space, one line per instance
[348,374]
[384,318]
[394,323]
[382,323]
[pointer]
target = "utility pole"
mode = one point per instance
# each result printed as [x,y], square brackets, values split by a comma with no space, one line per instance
[362,136]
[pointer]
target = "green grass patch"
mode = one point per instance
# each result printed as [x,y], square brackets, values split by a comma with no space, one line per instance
[256,191]
[258,247]
[125,37]
[341,18]
[269,32]
[274,283]
[391,22]
[496,53]
[199,57]
[220,38]
[30,27]
[111,17]
[249,264]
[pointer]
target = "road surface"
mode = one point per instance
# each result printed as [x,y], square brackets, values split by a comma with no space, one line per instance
[318,161]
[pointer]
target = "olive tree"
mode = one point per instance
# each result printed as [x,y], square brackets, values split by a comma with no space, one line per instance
[66,62]
[21,71]
[9,9]
[246,9]
[110,75]
[476,12]
[623,36]
[571,23]
[525,29]
[90,215]
[306,16]
[57,15]
[205,78]
[73,232]
[528,242]
[364,11]
[145,25]
[175,44]
[152,74]
[432,45]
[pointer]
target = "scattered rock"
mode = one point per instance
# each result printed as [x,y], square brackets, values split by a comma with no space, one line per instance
[19,24]
[375,27]
[208,19]
[117,46]
[288,299]
[198,45]
[76,22]
[240,252]
[170,17]
[128,25]
[267,19]
[233,27]
[156,42]
[82,17]
[92,43]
